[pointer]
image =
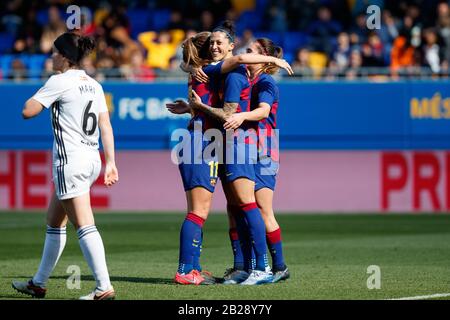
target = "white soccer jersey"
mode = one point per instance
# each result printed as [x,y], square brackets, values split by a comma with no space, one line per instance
[75,101]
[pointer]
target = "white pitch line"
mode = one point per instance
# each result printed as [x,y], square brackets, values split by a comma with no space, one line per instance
[431,296]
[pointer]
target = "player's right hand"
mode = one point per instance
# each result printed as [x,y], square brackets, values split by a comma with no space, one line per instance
[178,107]
[285,65]
[199,75]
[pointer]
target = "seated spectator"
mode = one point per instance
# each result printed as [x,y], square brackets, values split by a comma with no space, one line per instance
[29,35]
[356,63]
[373,51]
[244,41]
[52,30]
[301,65]
[431,50]
[402,54]
[137,70]
[125,46]
[323,31]
[48,69]
[341,55]
[18,70]
[160,47]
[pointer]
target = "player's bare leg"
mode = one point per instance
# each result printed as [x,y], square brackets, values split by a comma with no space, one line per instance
[53,247]
[264,199]
[80,214]
[199,201]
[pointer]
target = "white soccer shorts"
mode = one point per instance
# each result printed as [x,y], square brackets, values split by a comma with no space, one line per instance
[75,178]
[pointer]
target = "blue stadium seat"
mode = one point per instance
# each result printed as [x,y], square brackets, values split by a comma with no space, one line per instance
[288,56]
[6,42]
[276,37]
[36,65]
[5,64]
[139,21]
[293,40]
[42,17]
[160,19]
[248,20]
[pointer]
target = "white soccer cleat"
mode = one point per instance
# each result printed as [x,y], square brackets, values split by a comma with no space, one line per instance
[28,287]
[258,277]
[234,276]
[100,295]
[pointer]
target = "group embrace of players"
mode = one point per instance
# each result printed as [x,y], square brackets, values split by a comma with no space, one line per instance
[234,93]
[226,92]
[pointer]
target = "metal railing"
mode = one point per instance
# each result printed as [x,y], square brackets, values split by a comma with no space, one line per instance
[374,74]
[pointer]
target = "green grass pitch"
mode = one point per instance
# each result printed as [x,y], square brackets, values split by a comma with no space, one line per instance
[328,256]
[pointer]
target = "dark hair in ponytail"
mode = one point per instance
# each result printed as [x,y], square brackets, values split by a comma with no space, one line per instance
[228,28]
[270,49]
[74,47]
[85,47]
[196,49]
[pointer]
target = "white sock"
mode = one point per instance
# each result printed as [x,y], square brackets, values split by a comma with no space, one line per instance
[92,247]
[55,240]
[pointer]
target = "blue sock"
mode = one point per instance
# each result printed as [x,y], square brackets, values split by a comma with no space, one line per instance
[245,242]
[238,263]
[257,231]
[197,253]
[276,249]
[190,238]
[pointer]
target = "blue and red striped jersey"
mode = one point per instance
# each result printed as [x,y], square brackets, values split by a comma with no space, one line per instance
[264,89]
[237,90]
[209,93]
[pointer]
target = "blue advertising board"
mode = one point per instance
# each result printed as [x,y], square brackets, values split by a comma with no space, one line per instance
[312,115]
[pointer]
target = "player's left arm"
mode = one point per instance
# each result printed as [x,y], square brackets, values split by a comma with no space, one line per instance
[111,175]
[31,108]
[107,135]
[233,62]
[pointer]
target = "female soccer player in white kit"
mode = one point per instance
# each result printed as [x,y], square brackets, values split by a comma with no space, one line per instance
[78,110]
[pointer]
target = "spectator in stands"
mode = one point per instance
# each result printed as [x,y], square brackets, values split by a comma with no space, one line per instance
[360,27]
[354,69]
[341,55]
[18,70]
[137,70]
[277,18]
[176,21]
[389,28]
[301,64]
[88,26]
[244,41]
[126,46]
[29,35]
[443,25]
[52,30]
[160,47]
[402,54]
[431,50]
[301,13]
[206,20]
[11,20]
[48,69]
[323,31]
[87,64]
[373,51]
